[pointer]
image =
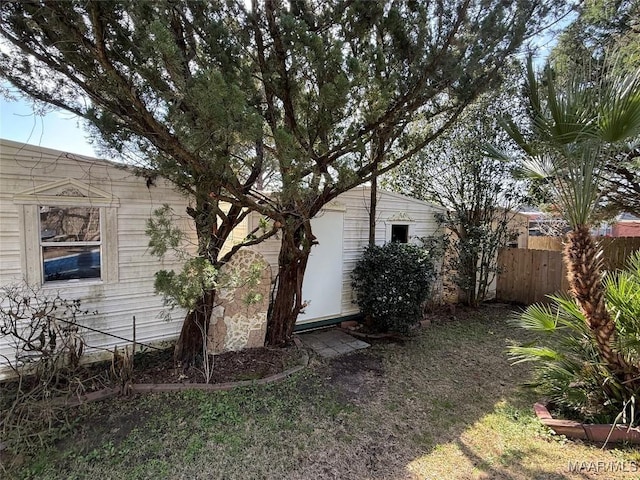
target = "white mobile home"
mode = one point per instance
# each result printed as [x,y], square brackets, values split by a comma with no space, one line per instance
[106,264]
[45,196]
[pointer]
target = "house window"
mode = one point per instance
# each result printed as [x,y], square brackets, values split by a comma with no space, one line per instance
[400,233]
[70,243]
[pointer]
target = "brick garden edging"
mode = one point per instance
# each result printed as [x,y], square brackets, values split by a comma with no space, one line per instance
[107,393]
[600,433]
[213,387]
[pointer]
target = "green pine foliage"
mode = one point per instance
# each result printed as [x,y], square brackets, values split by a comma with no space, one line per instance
[599,27]
[392,282]
[164,235]
[198,275]
[187,287]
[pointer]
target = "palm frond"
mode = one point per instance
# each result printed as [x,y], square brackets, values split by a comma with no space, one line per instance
[623,302]
[633,264]
[538,167]
[619,108]
[568,367]
[569,313]
[582,183]
[520,354]
[509,126]
[577,126]
[538,318]
[567,108]
[497,153]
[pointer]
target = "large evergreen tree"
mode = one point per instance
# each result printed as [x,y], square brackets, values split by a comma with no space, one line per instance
[207,90]
[165,84]
[599,27]
[354,89]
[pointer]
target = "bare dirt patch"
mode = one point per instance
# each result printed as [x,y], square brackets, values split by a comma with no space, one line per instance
[250,364]
[356,376]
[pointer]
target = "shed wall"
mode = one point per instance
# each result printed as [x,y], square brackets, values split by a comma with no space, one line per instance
[130,292]
[391,209]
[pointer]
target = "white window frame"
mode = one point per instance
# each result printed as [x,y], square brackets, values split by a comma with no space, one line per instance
[94,243]
[401,218]
[28,204]
[400,225]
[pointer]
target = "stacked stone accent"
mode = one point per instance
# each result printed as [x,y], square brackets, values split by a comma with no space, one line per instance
[239,319]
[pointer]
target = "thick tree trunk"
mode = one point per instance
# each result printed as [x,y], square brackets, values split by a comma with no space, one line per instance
[194,331]
[213,229]
[292,262]
[193,336]
[583,259]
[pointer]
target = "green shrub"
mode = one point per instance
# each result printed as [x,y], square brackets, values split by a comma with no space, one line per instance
[568,369]
[392,283]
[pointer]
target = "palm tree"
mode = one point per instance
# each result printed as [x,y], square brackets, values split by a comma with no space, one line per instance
[577,126]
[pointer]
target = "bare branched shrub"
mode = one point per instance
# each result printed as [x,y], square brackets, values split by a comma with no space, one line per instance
[42,330]
[208,359]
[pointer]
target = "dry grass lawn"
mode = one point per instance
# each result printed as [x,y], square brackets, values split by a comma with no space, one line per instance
[444,405]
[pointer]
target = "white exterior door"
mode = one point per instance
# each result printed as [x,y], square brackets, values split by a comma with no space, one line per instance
[322,286]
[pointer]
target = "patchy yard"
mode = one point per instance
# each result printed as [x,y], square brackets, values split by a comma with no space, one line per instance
[442,405]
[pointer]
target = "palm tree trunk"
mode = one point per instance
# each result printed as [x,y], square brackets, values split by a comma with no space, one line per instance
[583,258]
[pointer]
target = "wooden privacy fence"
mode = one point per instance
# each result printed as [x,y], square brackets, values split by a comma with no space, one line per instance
[617,250]
[527,275]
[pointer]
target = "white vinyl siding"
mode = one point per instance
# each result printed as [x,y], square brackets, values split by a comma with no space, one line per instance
[392,209]
[390,206]
[29,177]
[126,288]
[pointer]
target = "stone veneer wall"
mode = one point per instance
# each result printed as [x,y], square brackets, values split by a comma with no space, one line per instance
[239,320]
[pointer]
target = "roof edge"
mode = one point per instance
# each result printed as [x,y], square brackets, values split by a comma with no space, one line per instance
[36,149]
[404,197]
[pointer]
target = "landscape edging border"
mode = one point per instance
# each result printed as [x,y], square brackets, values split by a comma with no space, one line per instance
[109,392]
[600,433]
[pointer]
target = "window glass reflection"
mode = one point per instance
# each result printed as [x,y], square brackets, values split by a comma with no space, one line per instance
[70,263]
[69,224]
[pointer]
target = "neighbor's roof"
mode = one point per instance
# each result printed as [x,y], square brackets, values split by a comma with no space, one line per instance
[627,217]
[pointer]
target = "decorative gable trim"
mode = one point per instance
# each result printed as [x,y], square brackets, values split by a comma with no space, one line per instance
[335,206]
[401,217]
[66,192]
